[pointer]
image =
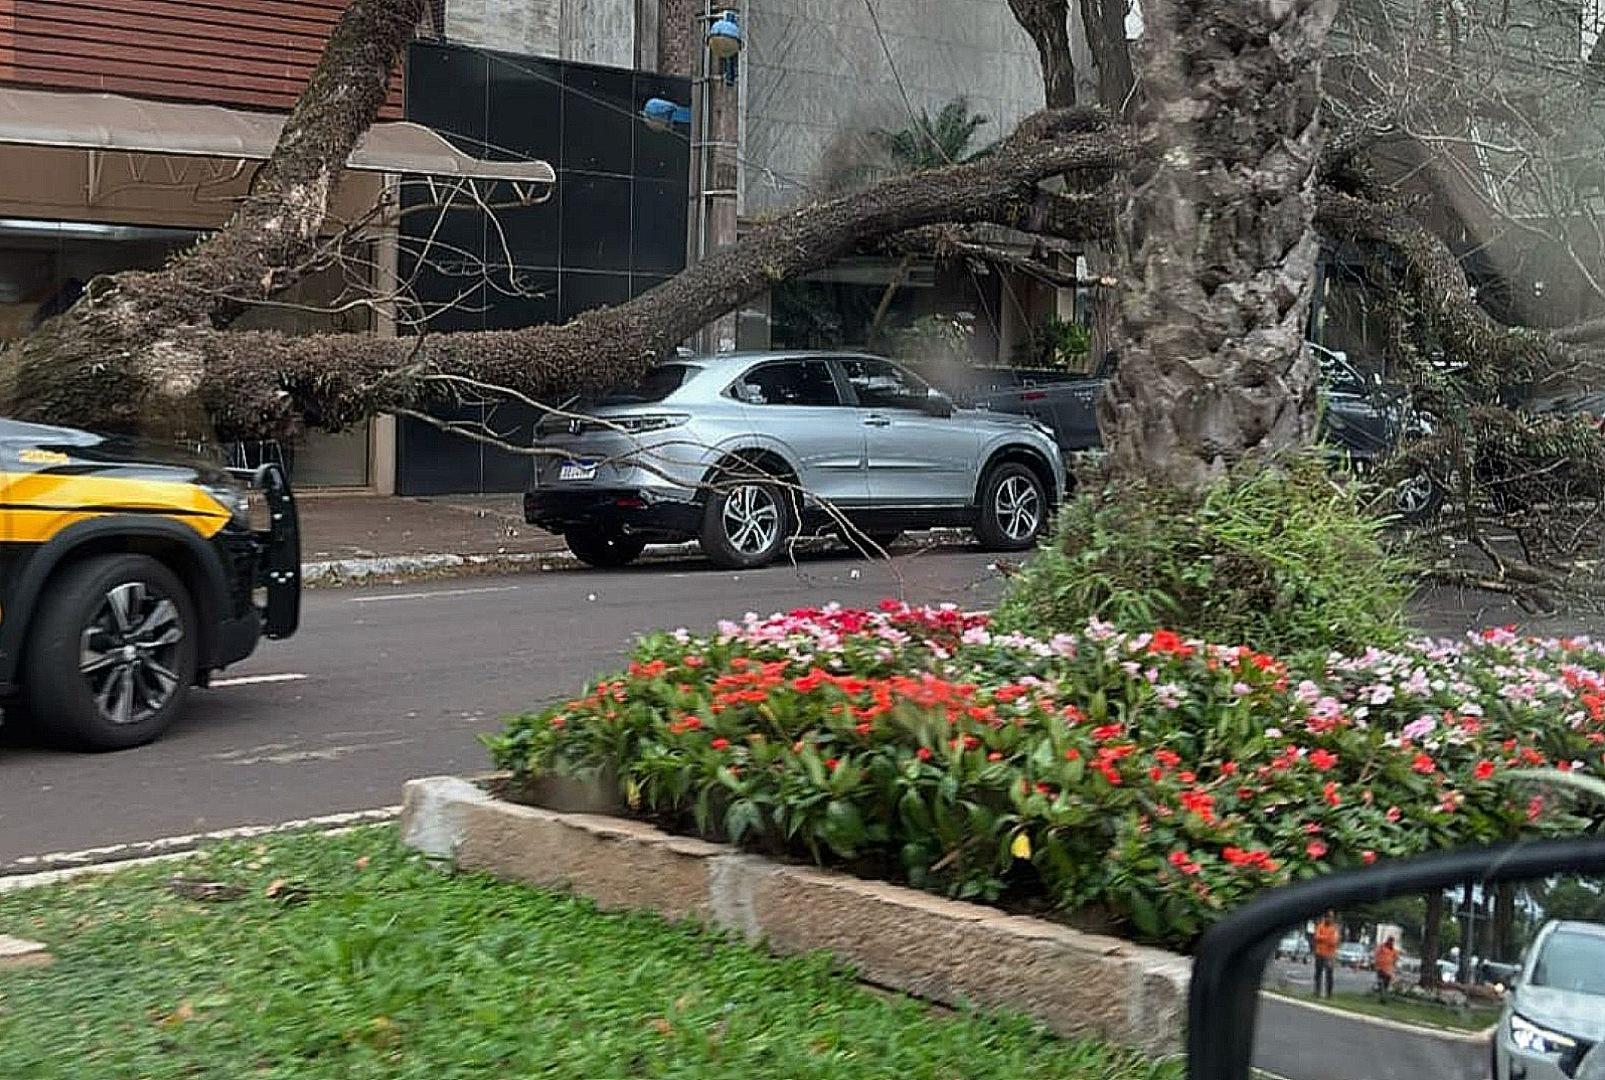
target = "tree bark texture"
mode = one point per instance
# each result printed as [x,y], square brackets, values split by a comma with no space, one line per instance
[261,384]
[117,360]
[1218,243]
[1105,22]
[1048,23]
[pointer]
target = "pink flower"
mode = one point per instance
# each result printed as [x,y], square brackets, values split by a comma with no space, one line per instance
[1315,849]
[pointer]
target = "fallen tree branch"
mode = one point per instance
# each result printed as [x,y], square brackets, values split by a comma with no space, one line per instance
[264,384]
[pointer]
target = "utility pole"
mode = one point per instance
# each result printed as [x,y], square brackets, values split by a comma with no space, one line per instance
[715,166]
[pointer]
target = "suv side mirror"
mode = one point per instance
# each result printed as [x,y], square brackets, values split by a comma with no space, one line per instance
[937,403]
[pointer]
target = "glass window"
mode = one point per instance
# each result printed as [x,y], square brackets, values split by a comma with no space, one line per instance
[654,386]
[881,384]
[1572,961]
[789,382]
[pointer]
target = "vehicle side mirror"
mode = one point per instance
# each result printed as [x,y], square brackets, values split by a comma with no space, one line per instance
[1415,1007]
[937,403]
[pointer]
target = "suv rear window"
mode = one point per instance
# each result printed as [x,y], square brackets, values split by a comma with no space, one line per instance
[654,386]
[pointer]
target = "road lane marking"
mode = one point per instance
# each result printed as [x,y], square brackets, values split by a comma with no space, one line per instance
[252,680]
[429,595]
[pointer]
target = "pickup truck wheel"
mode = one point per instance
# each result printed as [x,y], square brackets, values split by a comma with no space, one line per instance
[111,656]
[1014,508]
[604,548]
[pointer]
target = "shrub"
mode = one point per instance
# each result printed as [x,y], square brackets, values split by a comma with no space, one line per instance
[1287,562]
[1147,778]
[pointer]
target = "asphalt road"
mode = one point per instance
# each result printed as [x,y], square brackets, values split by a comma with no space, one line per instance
[1303,1042]
[387,683]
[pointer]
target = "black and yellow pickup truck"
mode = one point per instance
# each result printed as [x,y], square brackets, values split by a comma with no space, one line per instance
[129,574]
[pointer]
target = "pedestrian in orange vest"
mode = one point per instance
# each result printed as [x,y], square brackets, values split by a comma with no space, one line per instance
[1386,960]
[1327,936]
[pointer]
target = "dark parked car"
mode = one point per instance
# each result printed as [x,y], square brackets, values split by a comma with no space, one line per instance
[1363,418]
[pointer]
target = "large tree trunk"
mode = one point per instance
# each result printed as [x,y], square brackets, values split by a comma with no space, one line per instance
[262,383]
[142,352]
[1432,940]
[1048,23]
[1218,245]
[118,359]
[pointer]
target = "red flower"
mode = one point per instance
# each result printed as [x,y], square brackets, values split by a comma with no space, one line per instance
[1200,803]
[1228,768]
[557,721]
[1368,857]
[1315,849]
[1330,794]
[831,763]
[1394,813]
[1484,770]
[923,753]
[1168,758]
[1535,808]
[1168,641]
[693,661]
[1187,776]
[1180,861]
[865,728]
[1107,732]
[720,744]
[994,756]
[1260,860]
[1424,765]
[1323,759]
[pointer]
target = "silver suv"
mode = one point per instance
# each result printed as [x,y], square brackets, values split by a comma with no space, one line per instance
[744,451]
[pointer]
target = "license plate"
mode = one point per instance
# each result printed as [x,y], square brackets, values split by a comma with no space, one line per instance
[577,470]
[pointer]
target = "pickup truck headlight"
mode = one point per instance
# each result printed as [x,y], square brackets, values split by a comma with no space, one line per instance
[1533,1039]
[236,500]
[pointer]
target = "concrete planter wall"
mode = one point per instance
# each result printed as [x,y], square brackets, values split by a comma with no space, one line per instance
[942,950]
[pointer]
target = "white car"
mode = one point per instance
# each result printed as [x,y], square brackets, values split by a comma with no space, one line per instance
[1555,1014]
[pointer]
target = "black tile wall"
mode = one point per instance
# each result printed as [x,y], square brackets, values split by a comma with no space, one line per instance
[614,226]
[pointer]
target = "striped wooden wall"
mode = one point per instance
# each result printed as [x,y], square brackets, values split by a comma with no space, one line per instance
[254,54]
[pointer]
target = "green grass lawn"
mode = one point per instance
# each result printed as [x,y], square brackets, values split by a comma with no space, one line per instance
[1406,1011]
[378,965]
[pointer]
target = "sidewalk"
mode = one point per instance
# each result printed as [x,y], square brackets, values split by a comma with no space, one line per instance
[356,538]
[372,526]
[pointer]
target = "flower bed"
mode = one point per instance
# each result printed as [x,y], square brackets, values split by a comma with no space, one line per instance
[1144,778]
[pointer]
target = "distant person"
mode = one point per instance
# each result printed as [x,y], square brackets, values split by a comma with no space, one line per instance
[1327,937]
[1386,960]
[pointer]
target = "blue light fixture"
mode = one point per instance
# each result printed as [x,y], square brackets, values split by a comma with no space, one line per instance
[661,113]
[724,44]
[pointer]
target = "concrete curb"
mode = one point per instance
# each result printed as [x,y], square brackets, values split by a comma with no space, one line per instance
[1444,1033]
[33,870]
[945,951]
[335,573]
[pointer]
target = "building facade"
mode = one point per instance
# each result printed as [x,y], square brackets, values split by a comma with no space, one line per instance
[129,127]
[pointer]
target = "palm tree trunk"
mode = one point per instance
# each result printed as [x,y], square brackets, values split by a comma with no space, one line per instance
[1219,247]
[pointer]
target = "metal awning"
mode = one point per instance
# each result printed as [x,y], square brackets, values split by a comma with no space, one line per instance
[111,122]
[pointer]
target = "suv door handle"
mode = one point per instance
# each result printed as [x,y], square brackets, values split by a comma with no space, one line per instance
[877,420]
